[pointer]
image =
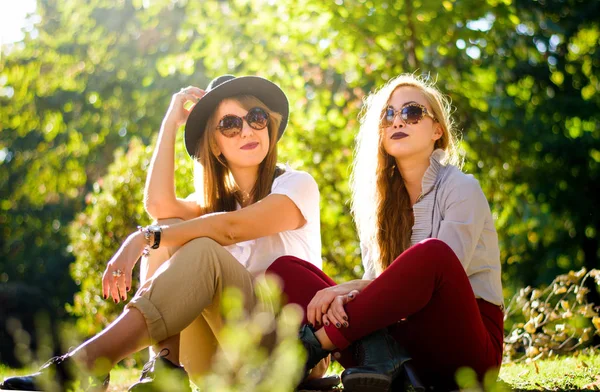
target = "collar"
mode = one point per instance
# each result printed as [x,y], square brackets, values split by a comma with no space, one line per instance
[431,174]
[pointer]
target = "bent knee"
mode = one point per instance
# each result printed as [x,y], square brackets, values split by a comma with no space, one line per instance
[435,243]
[198,254]
[282,263]
[202,243]
[442,251]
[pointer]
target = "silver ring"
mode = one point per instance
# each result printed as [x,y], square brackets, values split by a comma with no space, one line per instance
[184,90]
[117,273]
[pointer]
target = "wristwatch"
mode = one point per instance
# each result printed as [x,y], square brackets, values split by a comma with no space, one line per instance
[154,232]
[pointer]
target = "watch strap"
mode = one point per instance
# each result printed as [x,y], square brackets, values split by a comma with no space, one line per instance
[157,235]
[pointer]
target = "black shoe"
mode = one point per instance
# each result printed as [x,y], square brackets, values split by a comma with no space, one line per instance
[161,375]
[59,373]
[381,361]
[313,348]
[319,384]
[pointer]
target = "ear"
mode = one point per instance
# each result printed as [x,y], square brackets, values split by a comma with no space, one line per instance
[214,148]
[437,133]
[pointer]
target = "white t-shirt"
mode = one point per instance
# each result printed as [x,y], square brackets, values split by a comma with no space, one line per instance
[305,242]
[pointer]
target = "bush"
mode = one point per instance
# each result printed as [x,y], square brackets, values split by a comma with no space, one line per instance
[554,320]
[113,211]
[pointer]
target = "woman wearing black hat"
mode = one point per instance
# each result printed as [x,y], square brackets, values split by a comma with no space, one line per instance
[248,212]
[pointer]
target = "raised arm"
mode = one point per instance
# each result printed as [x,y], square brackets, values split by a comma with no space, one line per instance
[160,200]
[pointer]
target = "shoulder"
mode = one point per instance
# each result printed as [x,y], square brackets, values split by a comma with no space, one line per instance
[294,178]
[459,186]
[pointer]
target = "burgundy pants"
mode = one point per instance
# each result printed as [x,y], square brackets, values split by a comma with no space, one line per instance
[425,300]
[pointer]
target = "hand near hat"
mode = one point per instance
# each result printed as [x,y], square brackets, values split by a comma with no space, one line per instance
[177,114]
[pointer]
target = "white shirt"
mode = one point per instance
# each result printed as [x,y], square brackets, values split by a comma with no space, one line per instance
[305,242]
[454,209]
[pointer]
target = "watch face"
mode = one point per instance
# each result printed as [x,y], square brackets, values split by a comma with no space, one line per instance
[154,228]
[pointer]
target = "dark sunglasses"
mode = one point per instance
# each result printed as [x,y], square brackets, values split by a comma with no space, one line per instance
[411,113]
[231,125]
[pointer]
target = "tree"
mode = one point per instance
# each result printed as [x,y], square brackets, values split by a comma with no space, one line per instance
[88,78]
[522,76]
[549,88]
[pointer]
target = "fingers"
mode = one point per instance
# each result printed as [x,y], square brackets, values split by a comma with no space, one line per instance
[326,321]
[121,287]
[198,92]
[314,311]
[105,284]
[115,286]
[314,314]
[336,313]
[351,295]
[188,97]
[114,290]
[128,275]
[191,93]
[310,318]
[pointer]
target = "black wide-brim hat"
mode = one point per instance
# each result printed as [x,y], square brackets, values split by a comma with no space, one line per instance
[227,86]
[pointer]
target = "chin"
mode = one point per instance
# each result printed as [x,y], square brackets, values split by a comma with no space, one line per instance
[399,152]
[250,162]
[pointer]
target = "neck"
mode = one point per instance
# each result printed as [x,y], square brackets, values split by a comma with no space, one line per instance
[412,171]
[245,178]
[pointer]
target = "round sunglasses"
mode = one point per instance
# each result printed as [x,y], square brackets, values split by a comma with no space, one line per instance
[231,125]
[411,113]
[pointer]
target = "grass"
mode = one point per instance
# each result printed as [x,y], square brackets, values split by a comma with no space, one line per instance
[574,373]
[563,374]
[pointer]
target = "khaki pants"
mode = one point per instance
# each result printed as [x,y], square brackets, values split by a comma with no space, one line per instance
[181,292]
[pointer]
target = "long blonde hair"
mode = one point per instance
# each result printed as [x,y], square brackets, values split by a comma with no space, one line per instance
[380,202]
[215,186]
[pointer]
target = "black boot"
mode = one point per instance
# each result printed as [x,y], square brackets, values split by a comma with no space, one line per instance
[381,360]
[313,348]
[314,354]
[159,374]
[58,374]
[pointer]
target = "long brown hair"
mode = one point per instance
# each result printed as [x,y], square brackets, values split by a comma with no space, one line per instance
[216,189]
[380,202]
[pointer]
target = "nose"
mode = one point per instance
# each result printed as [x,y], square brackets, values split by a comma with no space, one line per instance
[247,130]
[398,122]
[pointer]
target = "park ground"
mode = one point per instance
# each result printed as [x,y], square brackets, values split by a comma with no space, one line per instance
[572,373]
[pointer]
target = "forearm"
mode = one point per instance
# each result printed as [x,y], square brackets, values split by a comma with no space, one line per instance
[357,284]
[217,227]
[273,214]
[160,181]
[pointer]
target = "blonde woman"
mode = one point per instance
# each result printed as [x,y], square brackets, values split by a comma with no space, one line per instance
[432,282]
[248,212]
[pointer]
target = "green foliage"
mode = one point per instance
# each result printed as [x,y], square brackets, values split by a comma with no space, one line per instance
[114,210]
[552,321]
[522,75]
[244,362]
[79,87]
[259,349]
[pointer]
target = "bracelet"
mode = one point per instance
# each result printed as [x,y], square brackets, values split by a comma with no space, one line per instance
[146,232]
[152,230]
[146,251]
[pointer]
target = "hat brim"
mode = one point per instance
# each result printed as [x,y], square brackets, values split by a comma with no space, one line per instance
[261,88]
